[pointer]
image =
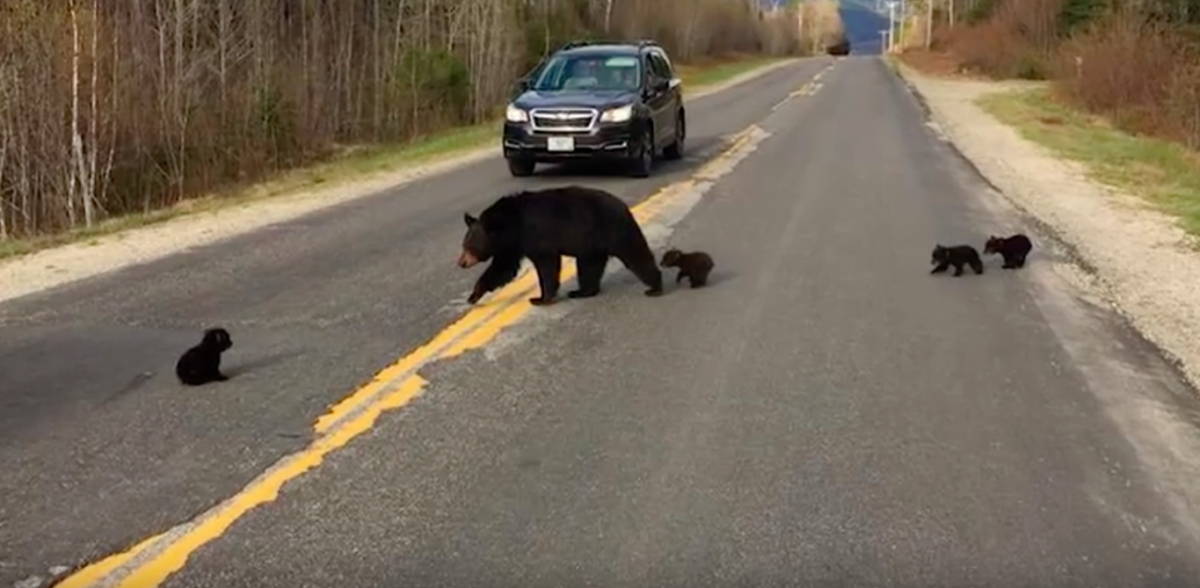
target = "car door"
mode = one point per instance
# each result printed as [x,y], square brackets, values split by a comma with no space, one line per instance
[656,99]
[674,97]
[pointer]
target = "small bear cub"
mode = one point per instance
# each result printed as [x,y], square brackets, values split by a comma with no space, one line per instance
[694,266]
[202,364]
[957,256]
[1013,249]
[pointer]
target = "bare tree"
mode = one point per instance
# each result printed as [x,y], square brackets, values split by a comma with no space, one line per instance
[142,103]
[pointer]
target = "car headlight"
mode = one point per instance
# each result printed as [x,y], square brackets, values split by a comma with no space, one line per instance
[514,114]
[616,115]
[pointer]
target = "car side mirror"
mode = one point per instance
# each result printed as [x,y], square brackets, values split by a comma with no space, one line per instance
[662,85]
[523,85]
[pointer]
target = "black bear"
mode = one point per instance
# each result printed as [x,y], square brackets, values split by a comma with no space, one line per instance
[694,266]
[1013,249]
[202,364]
[957,256]
[543,225]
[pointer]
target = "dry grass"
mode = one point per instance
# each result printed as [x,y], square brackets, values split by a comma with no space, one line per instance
[1144,76]
[1018,41]
[1164,173]
[935,63]
[1141,74]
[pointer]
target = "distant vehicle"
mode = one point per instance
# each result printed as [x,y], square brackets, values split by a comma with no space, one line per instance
[839,46]
[597,100]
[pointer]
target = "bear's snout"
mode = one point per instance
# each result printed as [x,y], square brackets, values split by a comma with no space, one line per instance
[467,260]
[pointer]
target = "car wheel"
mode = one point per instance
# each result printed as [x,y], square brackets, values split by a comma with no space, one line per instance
[640,166]
[675,149]
[520,168]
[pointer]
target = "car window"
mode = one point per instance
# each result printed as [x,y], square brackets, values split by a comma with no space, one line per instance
[658,67]
[665,63]
[589,72]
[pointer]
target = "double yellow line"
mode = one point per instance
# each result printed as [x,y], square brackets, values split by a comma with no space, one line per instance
[808,88]
[153,560]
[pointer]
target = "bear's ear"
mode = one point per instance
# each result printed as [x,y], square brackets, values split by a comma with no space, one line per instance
[470,220]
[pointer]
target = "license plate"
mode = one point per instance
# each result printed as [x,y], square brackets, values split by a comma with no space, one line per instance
[560,144]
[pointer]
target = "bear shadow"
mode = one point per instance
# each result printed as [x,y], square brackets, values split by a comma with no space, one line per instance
[605,168]
[134,383]
[623,278]
[237,369]
[715,278]
[579,169]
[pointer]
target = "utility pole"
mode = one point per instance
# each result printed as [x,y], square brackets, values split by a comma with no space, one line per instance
[883,35]
[891,25]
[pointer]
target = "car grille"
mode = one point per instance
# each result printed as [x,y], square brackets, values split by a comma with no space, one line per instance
[563,119]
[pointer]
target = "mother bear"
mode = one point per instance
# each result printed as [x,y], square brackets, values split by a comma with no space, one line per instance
[585,223]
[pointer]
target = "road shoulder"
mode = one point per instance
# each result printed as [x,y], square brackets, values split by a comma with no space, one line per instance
[49,268]
[1138,259]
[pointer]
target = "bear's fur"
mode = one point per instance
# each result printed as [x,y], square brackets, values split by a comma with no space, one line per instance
[1013,249]
[201,364]
[694,266]
[957,256]
[543,225]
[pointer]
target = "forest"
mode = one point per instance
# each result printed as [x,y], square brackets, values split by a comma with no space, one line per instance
[114,108]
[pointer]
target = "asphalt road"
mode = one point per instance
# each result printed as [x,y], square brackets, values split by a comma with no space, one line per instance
[824,414]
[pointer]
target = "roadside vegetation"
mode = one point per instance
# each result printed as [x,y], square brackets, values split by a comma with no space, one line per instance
[1120,87]
[119,114]
[822,23]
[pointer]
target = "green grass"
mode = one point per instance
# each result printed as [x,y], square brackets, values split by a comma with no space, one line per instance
[696,78]
[361,163]
[1164,173]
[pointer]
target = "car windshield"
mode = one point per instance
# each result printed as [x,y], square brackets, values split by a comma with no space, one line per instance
[589,73]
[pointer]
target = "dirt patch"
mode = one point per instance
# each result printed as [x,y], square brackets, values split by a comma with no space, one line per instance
[933,63]
[1146,264]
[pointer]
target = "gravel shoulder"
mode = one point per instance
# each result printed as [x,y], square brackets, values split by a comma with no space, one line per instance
[1138,259]
[57,266]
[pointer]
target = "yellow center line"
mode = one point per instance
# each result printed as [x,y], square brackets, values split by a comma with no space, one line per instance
[100,570]
[152,561]
[808,88]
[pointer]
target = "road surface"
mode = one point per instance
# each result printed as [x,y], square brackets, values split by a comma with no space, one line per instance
[825,413]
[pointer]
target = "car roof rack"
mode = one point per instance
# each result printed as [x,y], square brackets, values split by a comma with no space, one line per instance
[589,42]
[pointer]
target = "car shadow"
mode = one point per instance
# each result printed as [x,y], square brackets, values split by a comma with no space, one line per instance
[696,152]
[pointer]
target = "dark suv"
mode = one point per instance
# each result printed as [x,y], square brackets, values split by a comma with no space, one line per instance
[597,99]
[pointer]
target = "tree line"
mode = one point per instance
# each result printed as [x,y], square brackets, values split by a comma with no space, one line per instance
[110,108]
[1136,62]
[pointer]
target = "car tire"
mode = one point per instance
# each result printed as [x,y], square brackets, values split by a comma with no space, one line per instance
[675,149]
[520,168]
[640,164]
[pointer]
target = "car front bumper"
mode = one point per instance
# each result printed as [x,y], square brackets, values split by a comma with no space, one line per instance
[603,142]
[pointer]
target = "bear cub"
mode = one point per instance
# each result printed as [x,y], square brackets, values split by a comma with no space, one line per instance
[957,256]
[202,364]
[1013,249]
[694,266]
